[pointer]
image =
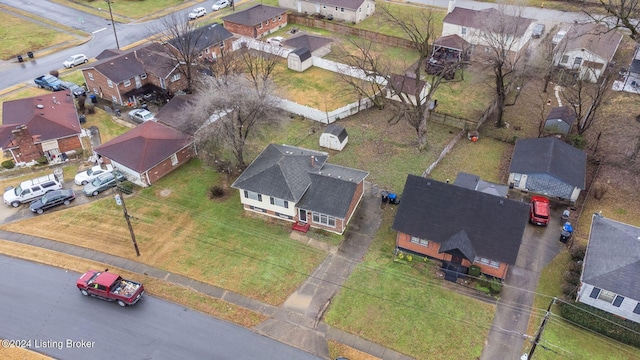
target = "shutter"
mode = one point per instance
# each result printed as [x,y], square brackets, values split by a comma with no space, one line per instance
[246,194]
[619,299]
[271,200]
[637,309]
[286,204]
[260,197]
[594,293]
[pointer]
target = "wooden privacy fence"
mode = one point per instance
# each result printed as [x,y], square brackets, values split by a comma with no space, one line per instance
[453,121]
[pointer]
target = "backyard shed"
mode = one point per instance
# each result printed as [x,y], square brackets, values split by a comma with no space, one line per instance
[560,120]
[334,137]
[299,59]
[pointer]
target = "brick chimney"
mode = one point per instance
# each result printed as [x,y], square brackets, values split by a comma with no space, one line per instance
[27,150]
[313,161]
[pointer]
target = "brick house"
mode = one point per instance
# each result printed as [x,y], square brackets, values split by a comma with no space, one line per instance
[297,185]
[459,226]
[256,21]
[118,78]
[148,152]
[209,40]
[44,125]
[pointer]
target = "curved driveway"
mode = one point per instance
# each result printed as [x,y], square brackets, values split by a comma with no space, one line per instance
[41,305]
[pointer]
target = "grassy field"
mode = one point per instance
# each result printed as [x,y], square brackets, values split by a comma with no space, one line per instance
[410,12]
[124,11]
[20,35]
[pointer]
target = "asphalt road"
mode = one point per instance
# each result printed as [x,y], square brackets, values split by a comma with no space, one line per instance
[41,306]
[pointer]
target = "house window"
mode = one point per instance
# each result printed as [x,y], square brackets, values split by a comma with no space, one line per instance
[637,309]
[324,6]
[618,301]
[127,83]
[175,78]
[417,240]
[577,61]
[463,30]
[143,76]
[174,159]
[206,50]
[594,293]
[342,10]
[324,219]
[279,202]
[109,83]
[564,59]
[221,45]
[95,91]
[607,296]
[90,75]
[488,262]
[252,195]
[257,209]
[267,22]
[114,99]
[360,10]
[260,26]
[200,55]
[280,17]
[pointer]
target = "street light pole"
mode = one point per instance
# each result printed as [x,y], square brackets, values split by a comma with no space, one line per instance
[113,24]
[120,201]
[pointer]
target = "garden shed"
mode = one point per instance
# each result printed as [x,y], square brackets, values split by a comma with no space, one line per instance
[299,59]
[560,120]
[334,137]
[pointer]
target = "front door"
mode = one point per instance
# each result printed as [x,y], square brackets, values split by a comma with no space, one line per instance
[303,215]
[138,82]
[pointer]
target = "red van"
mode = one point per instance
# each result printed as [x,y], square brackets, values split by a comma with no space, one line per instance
[539,211]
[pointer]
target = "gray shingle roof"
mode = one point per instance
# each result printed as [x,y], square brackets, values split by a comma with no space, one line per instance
[328,195]
[460,243]
[480,19]
[473,182]
[310,42]
[150,58]
[550,156]
[436,211]
[202,38]
[302,53]
[338,131]
[347,4]
[254,15]
[612,261]
[564,113]
[281,171]
[596,38]
[175,114]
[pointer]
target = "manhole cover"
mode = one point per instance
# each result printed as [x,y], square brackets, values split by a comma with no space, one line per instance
[165,192]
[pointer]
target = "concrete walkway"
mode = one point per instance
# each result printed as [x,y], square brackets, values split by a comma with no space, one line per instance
[298,321]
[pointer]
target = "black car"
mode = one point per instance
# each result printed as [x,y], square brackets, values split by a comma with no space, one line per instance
[538,30]
[76,89]
[51,199]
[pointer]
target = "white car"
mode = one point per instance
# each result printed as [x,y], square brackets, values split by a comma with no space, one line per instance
[85,177]
[275,41]
[558,37]
[141,115]
[197,12]
[220,4]
[74,60]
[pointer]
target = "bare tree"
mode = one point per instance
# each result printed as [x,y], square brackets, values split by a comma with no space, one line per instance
[413,104]
[184,42]
[586,97]
[235,106]
[621,14]
[501,36]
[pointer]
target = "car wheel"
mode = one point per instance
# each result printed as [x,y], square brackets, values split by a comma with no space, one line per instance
[95,193]
[85,182]
[121,303]
[66,202]
[86,61]
[39,211]
[15,204]
[84,292]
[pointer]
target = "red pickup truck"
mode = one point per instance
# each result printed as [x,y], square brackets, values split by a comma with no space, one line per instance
[110,287]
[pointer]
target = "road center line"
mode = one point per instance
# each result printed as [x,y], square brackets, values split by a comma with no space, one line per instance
[97,31]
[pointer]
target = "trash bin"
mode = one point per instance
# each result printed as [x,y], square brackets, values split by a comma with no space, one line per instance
[392,198]
[30,54]
[385,196]
[145,106]
[82,118]
[20,58]
[93,98]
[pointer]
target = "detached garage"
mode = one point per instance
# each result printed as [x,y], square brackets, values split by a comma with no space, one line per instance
[334,137]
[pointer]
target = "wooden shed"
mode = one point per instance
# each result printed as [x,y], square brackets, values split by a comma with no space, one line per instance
[334,137]
[299,59]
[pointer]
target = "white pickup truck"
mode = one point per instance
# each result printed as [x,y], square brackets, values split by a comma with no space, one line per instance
[31,190]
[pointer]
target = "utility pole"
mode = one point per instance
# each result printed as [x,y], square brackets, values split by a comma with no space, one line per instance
[120,201]
[113,24]
[539,334]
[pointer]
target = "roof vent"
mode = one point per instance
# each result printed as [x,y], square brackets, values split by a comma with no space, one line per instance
[501,202]
[40,106]
[126,58]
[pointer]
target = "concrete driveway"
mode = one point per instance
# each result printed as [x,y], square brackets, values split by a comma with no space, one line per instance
[539,246]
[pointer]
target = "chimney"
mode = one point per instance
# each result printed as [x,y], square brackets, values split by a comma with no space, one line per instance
[313,160]
[27,150]
[452,5]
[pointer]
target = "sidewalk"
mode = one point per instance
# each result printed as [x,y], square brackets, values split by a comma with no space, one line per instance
[296,323]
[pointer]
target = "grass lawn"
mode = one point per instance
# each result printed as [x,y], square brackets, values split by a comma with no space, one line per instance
[406,308]
[123,11]
[109,129]
[75,76]
[316,88]
[20,35]
[482,158]
[412,12]
[466,99]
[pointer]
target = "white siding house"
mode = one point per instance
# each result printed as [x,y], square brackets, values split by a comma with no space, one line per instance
[352,11]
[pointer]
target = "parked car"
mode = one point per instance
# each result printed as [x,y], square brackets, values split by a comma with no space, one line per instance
[539,211]
[275,41]
[76,89]
[141,115]
[110,287]
[48,82]
[197,12]
[52,199]
[103,182]
[75,60]
[220,4]
[87,176]
[558,37]
[537,31]
[30,190]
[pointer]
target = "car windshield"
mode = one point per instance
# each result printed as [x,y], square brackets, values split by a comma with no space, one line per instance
[96,182]
[147,116]
[69,59]
[17,190]
[89,172]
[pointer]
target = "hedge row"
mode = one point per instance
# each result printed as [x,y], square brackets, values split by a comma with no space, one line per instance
[582,314]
